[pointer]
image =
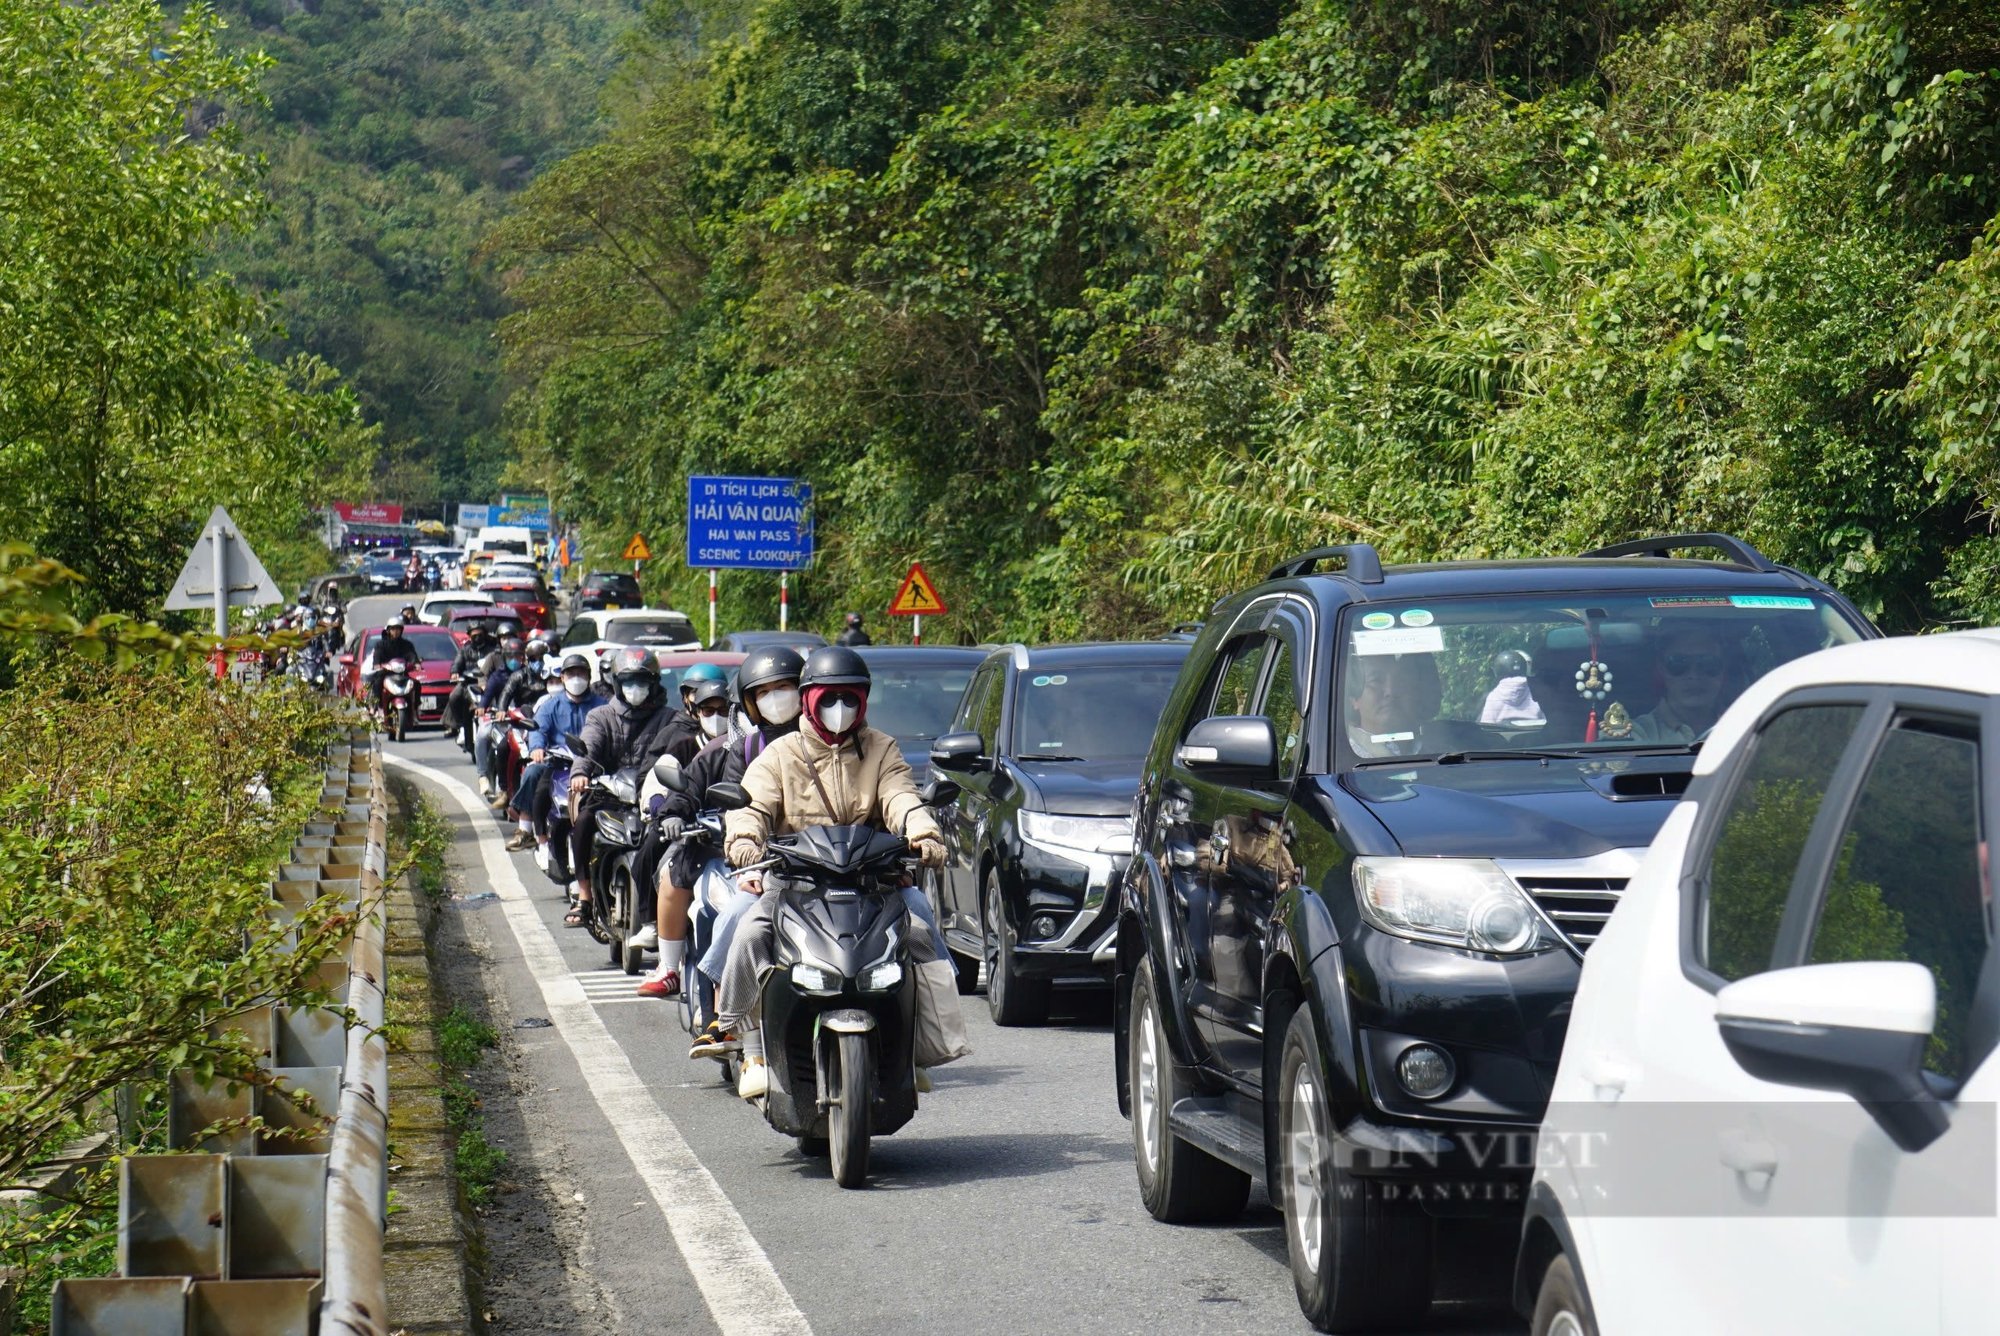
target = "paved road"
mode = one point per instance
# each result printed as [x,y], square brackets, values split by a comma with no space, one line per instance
[642,1196]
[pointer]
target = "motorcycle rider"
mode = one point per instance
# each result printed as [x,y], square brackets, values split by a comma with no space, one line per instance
[523,690]
[557,715]
[497,681]
[835,770]
[854,633]
[465,673]
[767,685]
[630,732]
[391,645]
[709,707]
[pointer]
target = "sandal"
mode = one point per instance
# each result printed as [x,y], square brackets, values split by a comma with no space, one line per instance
[575,918]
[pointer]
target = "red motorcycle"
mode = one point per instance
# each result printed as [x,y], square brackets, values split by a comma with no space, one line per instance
[514,751]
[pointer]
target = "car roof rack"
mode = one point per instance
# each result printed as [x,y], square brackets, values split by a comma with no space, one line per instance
[1735,549]
[1364,566]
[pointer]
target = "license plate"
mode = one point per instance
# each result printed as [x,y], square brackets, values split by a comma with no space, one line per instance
[613,607]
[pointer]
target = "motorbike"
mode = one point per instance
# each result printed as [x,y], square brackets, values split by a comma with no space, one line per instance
[561,759]
[459,708]
[396,702]
[311,666]
[514,748]
[840,1008]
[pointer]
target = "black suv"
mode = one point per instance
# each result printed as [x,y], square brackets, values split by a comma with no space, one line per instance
[1385,815]
[602,590]
[1047,745]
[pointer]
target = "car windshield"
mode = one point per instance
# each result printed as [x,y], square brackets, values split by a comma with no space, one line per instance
[915,703]
[1098,713]
[650,631]
[1570,672]
[431,645]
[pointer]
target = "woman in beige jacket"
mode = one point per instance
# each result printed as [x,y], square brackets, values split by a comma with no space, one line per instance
[834,771]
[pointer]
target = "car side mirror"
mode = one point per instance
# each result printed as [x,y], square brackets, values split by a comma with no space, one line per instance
[937,791]
[957,751]
[1238,746]
[1860,1028]
[728,797]
[668,771]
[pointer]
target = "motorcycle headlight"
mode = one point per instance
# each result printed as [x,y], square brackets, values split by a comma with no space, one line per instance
[882,978]
[812,979]
[1462,902]
[1088,833]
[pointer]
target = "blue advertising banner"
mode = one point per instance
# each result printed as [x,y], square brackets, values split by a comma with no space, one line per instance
[473,517]
[529,512]
[759,524]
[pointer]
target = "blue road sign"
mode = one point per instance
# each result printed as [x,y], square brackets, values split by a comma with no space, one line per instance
[759,524]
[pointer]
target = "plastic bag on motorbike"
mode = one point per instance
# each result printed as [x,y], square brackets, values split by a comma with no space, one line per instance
[940,1036]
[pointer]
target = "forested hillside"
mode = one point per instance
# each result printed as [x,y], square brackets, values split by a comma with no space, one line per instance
[1100,306]
[396,131]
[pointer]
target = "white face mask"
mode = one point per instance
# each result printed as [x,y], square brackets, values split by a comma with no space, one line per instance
[713,725]
[635,693]
[577,686]
[837,719]
[780,706]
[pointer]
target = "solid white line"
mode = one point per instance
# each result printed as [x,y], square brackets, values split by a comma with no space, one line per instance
[736,1278]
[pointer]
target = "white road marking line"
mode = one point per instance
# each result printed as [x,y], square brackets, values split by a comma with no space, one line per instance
[737,1281]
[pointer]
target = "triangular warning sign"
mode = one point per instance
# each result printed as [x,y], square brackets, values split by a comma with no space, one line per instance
[918,597]
[244,578]
[636,550]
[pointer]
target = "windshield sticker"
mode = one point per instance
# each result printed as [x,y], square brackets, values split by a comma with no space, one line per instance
[1379,621]
[1418,617]
[1049,680]
[1392,737]
[1690,601]
[1402,640]
[1041,681]
[1770,601]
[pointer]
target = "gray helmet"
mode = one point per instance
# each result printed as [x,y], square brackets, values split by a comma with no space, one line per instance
[578,663]
[773,663]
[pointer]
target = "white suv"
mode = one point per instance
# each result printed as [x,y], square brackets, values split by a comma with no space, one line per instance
[1775,1106]
[599,633]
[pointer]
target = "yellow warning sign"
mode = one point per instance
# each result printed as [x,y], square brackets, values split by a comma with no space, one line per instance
[636,550]
[918,597]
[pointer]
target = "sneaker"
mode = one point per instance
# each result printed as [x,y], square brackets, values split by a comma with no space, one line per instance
[542,856]
[498,802]
[646,939]
[756,1080]
[661,983]
[522,840]
[714,1041]
[923,1080]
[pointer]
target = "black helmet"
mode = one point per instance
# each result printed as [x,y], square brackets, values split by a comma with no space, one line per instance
[1512,663]
[835,666]
[635,661]
[510,644]
[774,663]
[706,690]
[579,663]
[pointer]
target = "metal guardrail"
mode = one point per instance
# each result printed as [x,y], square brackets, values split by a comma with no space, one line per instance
[264,1236]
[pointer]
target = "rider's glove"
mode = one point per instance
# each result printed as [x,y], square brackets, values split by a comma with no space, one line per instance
[744,851]
[930,850]
[671,828]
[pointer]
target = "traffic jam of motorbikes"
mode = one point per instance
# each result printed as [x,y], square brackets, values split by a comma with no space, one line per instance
[1312,900]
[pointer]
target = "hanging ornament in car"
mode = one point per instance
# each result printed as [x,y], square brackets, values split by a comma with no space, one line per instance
[1593,679]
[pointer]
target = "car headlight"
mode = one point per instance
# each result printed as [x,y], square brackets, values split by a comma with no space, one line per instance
[1088,833]
[1463,902]
[813,979]
[882,978]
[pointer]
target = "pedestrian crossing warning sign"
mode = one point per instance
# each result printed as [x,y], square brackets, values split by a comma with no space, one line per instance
[636,550]
[918,597]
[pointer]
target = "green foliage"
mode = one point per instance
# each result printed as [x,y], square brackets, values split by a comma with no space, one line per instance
[131,400]
[143,813]
[1109,306]
[462,1039]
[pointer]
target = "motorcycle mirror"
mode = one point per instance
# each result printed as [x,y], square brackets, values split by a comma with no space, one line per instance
[575,743]
[668,771]
[728,797]
[347,658]
[937,791]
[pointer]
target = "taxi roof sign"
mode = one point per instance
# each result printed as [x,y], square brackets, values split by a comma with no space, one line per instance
[637,550]
[918,597]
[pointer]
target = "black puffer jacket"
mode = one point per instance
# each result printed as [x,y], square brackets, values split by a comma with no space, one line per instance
[617,737]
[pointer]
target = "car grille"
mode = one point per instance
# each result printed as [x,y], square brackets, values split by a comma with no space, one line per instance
[1578,906]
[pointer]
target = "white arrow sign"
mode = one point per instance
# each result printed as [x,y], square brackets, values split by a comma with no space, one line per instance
[221,571]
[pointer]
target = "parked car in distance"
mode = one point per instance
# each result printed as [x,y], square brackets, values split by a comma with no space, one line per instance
[435,647]
[915,693]
[675,662]
[436,609]
[603,590]
[1780,1075]
[742,642]
[599,633]
[1046,745]
[1386,813]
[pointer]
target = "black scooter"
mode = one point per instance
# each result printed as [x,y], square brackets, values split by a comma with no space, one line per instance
[840,1008]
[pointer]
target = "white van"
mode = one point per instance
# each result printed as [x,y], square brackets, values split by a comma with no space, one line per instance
[504,538]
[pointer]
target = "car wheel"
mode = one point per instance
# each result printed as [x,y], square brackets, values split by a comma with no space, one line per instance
[966,974]
[1011,999]
[1359,1257]
[1560,1309]
[1178,1183]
